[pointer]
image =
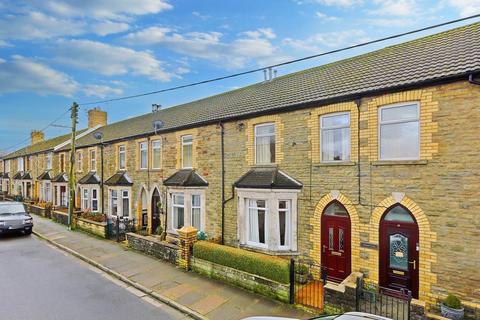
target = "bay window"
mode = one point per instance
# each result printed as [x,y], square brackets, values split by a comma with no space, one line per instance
[335,137]
[156,153]
[94,200]
[187,151]
[89,198]
[125,203]
[265,143]
[119,201]
[267,219]
[399,132]
[143,155]
[85,199]
[178,210]
[114,202]
[187,208]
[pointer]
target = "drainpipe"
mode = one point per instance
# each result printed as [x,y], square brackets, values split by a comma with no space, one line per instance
[222,145]
[471,79]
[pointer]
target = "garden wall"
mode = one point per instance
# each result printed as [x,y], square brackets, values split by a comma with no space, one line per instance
[93,227]
[151,246]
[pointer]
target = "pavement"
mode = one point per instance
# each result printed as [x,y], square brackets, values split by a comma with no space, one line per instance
[191,293]
[41,282]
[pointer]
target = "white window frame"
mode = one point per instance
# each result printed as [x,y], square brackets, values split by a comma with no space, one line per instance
[183,150]
[7,166]
[143,146]
[192,207]
[265,135]
[79,161]
[93,159]
[159,148]
[90,199]
[48,158]
[267,221]
[20,164]
[94,198]
[48,191]
[122,151]
[272,234]
[85,198]
[288,225]
[187,194]
[380,123]
[125,194]
[322,128]
[177,206]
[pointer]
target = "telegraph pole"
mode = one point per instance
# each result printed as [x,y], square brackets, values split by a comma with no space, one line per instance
[71,178]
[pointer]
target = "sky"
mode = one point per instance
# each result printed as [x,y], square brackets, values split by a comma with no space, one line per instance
[54,52]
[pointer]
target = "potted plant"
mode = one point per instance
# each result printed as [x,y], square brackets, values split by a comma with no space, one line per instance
[451,308]
[201,235]
[301,274]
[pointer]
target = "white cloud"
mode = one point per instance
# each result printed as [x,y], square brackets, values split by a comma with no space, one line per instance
[37,25]
[249,46]
[316,42]
[108,27]
[337,3]
[4,43]
[110,60]
[395,8]
[105,9]
[465,7]
[203,17]
[22,74]
[101,91]
[325,17]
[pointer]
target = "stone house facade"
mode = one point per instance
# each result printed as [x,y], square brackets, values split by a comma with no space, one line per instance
[369,174]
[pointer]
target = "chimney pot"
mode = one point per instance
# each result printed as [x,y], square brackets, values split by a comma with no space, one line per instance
[97,117]
[37,136]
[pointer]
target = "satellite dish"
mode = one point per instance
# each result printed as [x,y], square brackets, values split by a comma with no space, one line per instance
[98,135]
[157,125]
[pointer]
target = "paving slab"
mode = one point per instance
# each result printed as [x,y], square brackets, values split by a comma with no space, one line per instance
[211,298]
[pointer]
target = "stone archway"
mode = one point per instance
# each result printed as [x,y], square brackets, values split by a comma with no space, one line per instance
[315,221]
[142,208]
[426,237]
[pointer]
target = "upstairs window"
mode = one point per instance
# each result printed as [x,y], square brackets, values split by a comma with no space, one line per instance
[49,161]
[93,160]
[79,161]
[20,164]
[399,132]
[187,151]
[156,152]
[265,143]
[7,166]
[121,157]
[335,137]
[143,155]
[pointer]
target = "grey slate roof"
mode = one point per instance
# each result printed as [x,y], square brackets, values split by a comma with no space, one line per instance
[120,178]
[185,178]
[45,176]
[27,176]
[61,177]
[267,178]
[18,175]
[89,178]
[448,54]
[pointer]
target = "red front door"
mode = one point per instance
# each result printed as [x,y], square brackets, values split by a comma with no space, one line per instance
[336,246]
[399,255]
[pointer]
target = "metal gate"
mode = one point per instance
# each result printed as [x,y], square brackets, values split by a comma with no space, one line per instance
[306,283]
[118,227]
[394,304]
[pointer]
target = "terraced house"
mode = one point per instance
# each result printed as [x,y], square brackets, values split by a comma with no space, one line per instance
[369,164]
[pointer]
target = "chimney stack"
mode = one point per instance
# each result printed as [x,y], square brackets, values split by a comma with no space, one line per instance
[97,117]
[37,136]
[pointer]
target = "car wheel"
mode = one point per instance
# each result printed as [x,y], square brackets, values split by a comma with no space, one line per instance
[28,232]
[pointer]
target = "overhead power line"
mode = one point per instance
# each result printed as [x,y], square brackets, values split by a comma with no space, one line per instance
[51,124]
[282,63]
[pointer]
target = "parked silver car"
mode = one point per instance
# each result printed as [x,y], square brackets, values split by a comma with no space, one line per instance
[15,218]
[345,316]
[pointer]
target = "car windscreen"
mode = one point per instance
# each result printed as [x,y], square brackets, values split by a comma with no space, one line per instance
[11,208]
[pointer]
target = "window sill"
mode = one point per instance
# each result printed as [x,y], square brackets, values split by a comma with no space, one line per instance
[399,162]
[268,251]
[265,165]
[335,164]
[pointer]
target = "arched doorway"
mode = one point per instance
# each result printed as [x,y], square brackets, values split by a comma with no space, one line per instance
[399,248]
[156,209]
[336,241]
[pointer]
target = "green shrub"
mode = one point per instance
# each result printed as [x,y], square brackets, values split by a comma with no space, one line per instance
[301,269]
[453,302]
[269,267]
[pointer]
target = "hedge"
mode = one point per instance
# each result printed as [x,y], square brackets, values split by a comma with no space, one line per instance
[273,268]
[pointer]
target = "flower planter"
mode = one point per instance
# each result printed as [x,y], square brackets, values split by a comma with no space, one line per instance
[450,313]
[301,278]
